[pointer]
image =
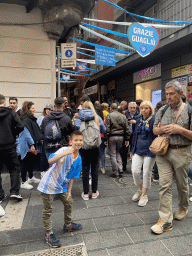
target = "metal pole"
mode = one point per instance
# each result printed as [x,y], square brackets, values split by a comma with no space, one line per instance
[58,73]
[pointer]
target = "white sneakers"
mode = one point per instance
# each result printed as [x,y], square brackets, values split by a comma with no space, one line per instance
[137,196]
[26,185]
[33,180]
[143,199]
[2,211]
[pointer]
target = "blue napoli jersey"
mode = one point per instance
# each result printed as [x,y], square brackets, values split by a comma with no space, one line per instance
[55,180]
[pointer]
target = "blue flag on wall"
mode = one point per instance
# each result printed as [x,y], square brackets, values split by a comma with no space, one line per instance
[105,56]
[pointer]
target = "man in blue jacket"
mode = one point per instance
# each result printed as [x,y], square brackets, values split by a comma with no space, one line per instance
[10,127]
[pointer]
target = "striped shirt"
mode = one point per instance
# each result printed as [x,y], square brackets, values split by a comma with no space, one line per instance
[56,178]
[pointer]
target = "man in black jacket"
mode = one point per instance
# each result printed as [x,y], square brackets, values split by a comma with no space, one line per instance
[13,103]
[10,127]
[65,125]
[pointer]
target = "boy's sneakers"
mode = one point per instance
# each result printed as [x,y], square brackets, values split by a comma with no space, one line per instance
[52,240]
[16,197]
[95,195]
[137,196]
[85,196]
[26,185]
[33,180]
[160,227]
[180,214]
[72,227]
[143,200]
[5,196]
[2,212]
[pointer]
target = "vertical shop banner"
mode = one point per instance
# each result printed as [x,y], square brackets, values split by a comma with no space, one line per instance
[184,82]
[155,97]
[144,39]
[105,56]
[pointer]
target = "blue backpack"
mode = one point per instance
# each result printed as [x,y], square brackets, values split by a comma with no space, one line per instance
[53,134]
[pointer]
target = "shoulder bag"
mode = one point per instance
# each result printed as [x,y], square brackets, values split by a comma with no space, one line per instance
[160,145]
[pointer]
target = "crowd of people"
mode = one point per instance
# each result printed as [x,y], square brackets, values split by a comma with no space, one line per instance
[68,142]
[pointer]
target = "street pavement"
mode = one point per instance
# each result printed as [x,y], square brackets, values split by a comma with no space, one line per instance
[112,224]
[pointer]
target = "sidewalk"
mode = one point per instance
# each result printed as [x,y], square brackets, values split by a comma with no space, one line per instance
[112,224]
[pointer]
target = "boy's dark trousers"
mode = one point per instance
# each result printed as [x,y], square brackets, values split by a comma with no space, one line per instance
[47,209]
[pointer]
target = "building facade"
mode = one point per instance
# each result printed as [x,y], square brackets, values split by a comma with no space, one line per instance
[171,60]
[29,33]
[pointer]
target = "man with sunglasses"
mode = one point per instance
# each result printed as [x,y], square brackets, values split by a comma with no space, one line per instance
[13,104]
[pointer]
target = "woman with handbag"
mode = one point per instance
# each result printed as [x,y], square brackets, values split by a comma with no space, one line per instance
[141,155]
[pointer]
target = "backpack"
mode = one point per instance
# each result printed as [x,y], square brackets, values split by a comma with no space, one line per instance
[91,134]
[52,134]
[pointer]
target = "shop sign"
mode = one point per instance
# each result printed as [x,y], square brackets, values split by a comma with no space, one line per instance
[190,69]
[144,39]
[147,74]
[83,67]
[90,90]
[184,83]
[190,80]
[103,89]
[105,56]
[180,71]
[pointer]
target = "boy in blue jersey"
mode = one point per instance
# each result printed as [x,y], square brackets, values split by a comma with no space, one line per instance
[66,166]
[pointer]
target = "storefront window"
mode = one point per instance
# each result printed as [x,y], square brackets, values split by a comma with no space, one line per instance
[150,91]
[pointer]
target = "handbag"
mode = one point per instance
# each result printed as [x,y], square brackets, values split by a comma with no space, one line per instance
[160,145]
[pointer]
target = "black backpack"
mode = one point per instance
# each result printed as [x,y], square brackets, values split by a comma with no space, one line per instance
[53,134]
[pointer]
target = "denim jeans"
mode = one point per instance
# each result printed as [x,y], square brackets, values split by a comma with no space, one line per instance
[10,158]
[90,157]
[102,152]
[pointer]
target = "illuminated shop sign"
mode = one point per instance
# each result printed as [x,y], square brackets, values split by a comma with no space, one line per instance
[147,74]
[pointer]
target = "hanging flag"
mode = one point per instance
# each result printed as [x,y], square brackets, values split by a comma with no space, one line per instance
[147,18]
[130,23]
[69,71]
[86,54]
[92,44]
[144,39]
[106,38]
[105,30]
